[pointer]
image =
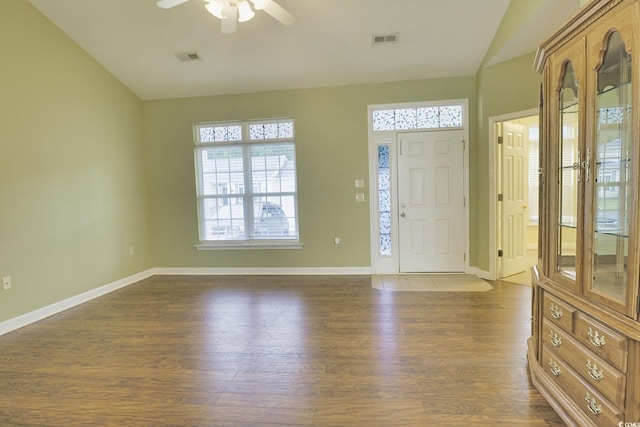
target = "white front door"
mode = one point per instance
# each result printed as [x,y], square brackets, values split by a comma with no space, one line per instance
[515,198]
[431,201]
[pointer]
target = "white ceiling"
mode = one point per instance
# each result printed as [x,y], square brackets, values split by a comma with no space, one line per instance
[329,44]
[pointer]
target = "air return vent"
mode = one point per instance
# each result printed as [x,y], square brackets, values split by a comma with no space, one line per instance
[188,56]
[378,39]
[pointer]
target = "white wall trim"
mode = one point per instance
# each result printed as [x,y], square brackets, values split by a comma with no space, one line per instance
[494,266]
[268,271]
[60,306]
[481,273]
[55,308]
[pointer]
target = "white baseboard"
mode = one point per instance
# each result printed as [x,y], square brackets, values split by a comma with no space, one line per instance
[55,308]
[50,310]
[304,271]
[481,273]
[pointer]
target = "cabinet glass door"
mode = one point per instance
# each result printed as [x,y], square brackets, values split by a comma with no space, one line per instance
[568,174]
[611,172]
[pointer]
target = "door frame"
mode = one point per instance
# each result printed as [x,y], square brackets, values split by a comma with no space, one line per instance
[390,264]
[494,153]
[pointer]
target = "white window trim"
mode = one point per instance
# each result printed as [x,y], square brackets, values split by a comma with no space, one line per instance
[246,244]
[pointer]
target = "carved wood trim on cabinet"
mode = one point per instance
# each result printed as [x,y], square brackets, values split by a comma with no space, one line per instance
[584,352]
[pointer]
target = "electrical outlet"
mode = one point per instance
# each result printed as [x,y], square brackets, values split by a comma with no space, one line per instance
[6,283]
[131,251]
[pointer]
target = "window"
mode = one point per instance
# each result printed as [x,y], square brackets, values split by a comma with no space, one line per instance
[417,118]
[246,183]
[384,200]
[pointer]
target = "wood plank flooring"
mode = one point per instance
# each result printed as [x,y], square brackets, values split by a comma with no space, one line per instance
[275,351]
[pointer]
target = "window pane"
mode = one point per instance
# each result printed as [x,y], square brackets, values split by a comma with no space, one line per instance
[256,131]
[428,118]
[274,217]
[223,220]
[273,167]
[207,134]
[383,120]
[285,130]
[222,167]
[405,118]
[270,131]
[451,116]
[384,200]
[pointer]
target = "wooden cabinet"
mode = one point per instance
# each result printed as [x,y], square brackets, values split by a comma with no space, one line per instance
[584,353]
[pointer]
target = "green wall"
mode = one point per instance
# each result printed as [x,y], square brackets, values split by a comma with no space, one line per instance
[504,88]
[332,151]
[87,169]
[72,191]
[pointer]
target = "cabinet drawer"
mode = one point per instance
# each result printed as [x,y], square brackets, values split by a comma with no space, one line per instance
[602,341]
[558,312]
[591,402]
[597,372]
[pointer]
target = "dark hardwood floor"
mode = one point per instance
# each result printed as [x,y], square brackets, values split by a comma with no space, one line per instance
[284,351]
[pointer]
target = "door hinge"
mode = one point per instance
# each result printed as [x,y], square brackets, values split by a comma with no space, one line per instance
[500,140]
[464,145]
[499,252]
[465,257]
[500,197]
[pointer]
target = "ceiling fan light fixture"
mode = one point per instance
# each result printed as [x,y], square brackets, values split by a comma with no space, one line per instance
[244,11]
[260,4]
[215,8]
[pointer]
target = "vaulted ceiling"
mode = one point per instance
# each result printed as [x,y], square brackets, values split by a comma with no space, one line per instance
[329,44]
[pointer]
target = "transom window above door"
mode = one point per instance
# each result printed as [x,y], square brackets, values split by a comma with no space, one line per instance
[436,117]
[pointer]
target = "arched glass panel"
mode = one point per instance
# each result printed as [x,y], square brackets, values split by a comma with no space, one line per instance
[612,170]
[568,173]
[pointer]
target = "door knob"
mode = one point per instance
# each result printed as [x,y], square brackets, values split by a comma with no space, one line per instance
[403,214]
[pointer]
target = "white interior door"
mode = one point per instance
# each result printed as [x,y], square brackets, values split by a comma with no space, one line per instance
[515,198]
[431,201]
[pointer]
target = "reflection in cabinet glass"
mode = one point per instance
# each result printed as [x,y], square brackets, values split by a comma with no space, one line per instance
[586,289]
[569,165]
[612,171]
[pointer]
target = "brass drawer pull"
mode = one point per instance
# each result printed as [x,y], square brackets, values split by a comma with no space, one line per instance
[593,405]
[555,339]
[555,370]
[556,312]
[594,372]
[596,339]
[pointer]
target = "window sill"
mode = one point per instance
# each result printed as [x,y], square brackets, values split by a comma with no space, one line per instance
[248,245]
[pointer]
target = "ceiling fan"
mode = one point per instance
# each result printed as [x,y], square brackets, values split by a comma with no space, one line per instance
[232,11]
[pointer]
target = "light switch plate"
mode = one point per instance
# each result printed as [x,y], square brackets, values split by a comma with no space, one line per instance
[359,183]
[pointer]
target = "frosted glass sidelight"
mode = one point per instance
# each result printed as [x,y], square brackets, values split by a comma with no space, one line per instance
[384,200]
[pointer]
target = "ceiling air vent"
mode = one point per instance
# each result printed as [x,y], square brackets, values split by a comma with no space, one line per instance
[188,56]
[378,39]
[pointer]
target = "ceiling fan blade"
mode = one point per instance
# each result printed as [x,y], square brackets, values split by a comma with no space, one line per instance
[279,13]
[228,24]
[168,4]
